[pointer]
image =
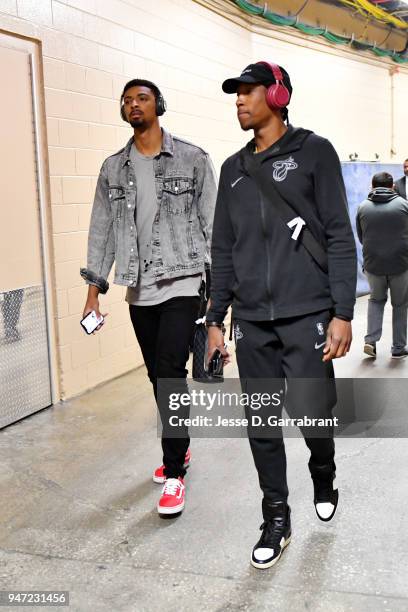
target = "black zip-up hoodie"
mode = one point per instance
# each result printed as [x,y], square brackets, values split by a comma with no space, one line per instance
[382,227]
[256,265]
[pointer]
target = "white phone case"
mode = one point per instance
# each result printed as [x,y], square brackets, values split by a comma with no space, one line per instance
[91,322]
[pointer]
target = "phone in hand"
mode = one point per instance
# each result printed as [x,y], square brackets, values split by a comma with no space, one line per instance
[91,322]
[216,365]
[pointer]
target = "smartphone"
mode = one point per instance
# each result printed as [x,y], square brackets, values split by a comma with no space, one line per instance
[216,365]
[91,322]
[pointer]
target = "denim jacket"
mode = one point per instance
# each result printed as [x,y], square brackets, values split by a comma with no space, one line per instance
[181,232]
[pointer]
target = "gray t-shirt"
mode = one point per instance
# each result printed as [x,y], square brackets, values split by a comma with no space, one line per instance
[149,291]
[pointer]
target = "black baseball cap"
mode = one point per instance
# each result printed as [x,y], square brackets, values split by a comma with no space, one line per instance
[256,73]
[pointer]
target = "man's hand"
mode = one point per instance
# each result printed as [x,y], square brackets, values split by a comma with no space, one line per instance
[92,303]
[216,341]
[338,339]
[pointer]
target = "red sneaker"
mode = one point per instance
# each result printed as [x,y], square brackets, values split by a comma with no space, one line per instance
[172,497]
[158,475]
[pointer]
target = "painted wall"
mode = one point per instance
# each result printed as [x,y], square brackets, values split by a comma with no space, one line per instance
[345,98]
[92,47]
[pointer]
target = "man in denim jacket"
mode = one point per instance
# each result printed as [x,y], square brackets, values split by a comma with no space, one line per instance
[152,215]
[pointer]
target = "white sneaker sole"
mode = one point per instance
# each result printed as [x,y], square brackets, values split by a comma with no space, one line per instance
[267,565]
[368,349]
[173,510]
[162,479]
[398,356]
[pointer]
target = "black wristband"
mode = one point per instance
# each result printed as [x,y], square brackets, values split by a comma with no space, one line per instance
[213,324]
[343,318]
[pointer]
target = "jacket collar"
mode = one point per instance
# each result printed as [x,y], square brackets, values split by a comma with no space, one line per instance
[167,147]
[291,141]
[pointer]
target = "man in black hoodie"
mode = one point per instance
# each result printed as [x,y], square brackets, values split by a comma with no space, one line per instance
[291,315]
[382,227]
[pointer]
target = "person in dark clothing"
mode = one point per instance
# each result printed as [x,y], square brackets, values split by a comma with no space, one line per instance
[401,186]
[382,228]
[291,317]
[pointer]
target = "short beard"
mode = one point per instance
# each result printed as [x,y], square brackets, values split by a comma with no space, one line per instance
[136,123]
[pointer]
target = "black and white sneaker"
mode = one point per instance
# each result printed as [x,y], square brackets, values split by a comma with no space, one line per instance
[370,349]
[326,498]
[276,534]
[400,354]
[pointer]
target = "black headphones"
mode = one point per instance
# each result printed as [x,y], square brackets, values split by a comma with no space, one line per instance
[161,105]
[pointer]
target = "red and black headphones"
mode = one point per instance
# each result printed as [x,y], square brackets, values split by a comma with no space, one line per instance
[277,95]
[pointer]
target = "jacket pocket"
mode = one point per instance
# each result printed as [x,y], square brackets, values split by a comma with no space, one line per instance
[178,193]
[117,200]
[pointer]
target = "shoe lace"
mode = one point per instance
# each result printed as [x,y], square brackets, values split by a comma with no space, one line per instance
[171,486]
[272,531]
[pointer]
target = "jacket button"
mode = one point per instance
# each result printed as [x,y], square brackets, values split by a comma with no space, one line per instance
[130,182]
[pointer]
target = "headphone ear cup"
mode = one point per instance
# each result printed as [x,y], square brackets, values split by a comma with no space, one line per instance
[159,110]
[160,106]
[277,96]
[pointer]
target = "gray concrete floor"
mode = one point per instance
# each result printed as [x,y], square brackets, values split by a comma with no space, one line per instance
[77,505]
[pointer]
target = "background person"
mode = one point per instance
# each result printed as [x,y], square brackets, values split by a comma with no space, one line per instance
[401,186]
[382,228]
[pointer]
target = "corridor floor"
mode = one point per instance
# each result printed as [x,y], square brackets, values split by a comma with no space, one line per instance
[77,506]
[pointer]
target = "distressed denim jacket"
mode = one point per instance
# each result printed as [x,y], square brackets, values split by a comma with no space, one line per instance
[181,232]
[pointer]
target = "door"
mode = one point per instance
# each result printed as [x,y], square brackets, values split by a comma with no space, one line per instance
[25,377]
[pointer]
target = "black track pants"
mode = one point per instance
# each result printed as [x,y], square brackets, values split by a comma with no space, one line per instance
[288,349]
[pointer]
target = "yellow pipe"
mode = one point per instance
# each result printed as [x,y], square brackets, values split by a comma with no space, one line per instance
[377,12]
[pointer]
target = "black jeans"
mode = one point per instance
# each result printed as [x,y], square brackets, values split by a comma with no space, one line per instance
[289,349]
[164,332]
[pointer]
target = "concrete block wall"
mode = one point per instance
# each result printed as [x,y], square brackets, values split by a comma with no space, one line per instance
[90,49]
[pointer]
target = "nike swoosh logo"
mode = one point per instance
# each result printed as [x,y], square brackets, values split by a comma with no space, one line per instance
[317,346]
[237,181]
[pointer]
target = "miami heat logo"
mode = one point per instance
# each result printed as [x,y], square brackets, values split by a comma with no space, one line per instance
[282,167]
[237,332]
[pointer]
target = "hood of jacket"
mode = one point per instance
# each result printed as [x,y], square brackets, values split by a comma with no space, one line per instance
[382,195]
